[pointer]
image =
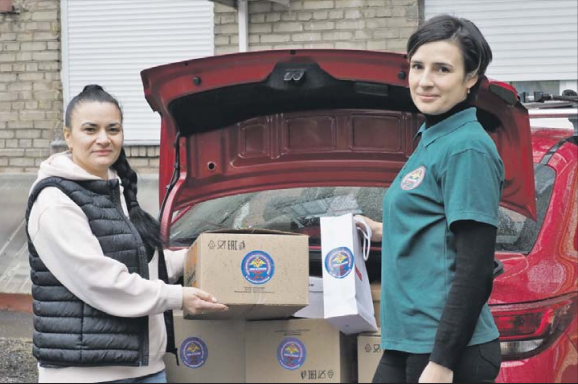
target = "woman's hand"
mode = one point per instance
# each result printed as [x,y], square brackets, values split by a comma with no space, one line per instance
[435,373]
[198,302]
[376,228]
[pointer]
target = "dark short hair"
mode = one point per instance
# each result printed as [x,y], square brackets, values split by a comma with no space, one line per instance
[473,46]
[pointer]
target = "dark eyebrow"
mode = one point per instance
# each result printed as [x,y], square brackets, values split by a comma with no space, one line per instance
[439,64]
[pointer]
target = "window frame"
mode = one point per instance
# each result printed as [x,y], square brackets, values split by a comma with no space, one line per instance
[6,6]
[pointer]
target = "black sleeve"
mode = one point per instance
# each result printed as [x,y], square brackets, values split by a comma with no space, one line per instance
[471,289]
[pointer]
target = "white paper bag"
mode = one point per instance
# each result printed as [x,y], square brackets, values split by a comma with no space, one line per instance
[346,291]
[315,309]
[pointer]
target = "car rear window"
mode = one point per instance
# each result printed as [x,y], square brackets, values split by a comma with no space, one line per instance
[292,210]
[517,233]
[298,210]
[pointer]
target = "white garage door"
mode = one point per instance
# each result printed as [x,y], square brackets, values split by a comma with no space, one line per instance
[109,42]
[532,40]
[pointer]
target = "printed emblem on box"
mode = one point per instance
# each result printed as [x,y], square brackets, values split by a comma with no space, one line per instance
[339,262]
[258,267]
[291,354]
[194,352]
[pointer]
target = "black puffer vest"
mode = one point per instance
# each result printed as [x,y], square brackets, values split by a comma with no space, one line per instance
[69,332]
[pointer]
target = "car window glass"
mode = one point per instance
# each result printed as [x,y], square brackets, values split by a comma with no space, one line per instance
[298,210]
[517,233]
[292,210]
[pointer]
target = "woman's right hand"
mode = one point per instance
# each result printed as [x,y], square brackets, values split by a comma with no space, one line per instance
[376,228]
[198,302]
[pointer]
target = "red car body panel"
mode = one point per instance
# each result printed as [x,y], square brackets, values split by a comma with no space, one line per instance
[544,139]
[557,364]
[550,270]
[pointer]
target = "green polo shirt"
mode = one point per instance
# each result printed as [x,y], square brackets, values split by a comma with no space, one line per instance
[454,174]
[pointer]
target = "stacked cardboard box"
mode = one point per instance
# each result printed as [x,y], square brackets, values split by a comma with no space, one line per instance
[368,355]
[261,276]
[208,351]
[258,274]
[309,351]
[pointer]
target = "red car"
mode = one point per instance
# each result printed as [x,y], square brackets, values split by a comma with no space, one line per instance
[279,139]
[535,301]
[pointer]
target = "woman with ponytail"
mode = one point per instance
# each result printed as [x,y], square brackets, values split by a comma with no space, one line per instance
[101,280]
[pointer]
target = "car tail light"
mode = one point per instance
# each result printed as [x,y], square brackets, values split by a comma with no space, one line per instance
[528,329]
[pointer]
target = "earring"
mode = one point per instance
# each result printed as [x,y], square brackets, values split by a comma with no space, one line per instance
[469,91]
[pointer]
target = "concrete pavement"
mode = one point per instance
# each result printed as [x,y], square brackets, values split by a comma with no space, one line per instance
[17,365]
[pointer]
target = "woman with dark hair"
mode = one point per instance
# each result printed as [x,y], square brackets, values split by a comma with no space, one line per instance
[440,219]
[102,300]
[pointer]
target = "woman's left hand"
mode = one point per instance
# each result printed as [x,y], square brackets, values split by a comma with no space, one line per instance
[435,373]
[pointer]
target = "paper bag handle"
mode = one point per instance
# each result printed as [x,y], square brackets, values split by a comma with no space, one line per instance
[366,234]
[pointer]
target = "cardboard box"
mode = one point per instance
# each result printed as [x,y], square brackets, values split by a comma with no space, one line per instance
[368,355]
[310,351]
[315,308]
[209,352]
[258,274]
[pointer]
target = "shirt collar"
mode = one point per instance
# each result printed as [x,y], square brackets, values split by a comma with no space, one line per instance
[447,126]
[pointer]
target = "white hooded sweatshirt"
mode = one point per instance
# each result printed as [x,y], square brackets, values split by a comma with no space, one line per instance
[61,234]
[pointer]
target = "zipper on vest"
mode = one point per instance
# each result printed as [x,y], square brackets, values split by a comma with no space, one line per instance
[142,257]
[143,266]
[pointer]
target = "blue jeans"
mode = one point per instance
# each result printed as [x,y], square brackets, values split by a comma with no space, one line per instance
[160,377]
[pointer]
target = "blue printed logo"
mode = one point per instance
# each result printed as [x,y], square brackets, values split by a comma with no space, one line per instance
[339,262]
[258,267]
[291,354]
[194,353]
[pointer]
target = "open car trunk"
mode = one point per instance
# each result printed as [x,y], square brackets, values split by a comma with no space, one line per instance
[286,119]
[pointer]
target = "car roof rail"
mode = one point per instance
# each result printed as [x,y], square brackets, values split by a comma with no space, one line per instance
[569,98]
[562,106]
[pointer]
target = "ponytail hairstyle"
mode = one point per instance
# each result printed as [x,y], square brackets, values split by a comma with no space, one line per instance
[147,226]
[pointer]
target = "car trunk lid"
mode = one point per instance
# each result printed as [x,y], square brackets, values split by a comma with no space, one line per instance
[283,119]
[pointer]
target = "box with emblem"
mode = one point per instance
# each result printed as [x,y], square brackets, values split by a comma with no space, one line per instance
[368,355]
[310,351]
[258,274]
[203,348]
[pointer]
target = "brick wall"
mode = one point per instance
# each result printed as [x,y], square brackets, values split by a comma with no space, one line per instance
[31,108]
[144,159]
[31,89]
[381,25]
[30,86]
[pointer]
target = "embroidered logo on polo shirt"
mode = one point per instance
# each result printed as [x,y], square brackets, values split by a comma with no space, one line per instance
[413,179]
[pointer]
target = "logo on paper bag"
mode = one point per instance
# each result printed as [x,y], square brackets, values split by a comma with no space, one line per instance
[340,262]
[258,267]
[194,352]
[291,354]
[413,179]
